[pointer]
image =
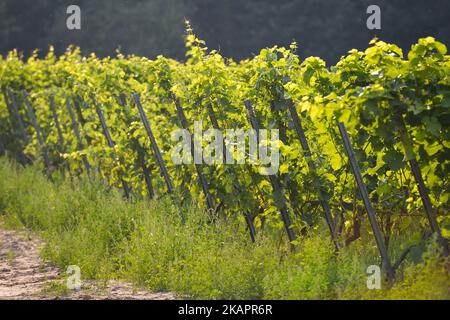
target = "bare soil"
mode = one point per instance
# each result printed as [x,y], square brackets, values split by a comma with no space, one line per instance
[24,276]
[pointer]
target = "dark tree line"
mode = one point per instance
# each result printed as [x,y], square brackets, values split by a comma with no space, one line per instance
[238,28]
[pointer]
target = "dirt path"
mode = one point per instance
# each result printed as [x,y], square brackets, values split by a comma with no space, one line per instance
[23,275]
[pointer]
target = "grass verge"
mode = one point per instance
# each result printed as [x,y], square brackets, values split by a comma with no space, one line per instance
[167,248]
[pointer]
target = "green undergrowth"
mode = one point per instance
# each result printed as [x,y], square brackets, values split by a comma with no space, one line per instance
[164,247]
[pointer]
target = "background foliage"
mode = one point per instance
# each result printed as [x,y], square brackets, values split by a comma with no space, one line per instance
[238,28]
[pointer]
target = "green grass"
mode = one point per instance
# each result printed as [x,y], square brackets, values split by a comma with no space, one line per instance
[57,288]
[148,243]
[10,255]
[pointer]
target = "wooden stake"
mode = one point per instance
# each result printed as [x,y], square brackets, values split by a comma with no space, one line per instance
[276,186]
[201,177]
[367,204]
[307,152]
[111,144]
[154,145]
[37,129]
[78,136]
